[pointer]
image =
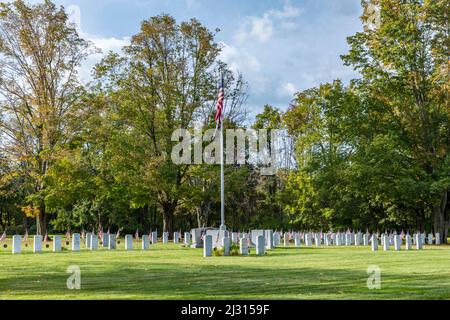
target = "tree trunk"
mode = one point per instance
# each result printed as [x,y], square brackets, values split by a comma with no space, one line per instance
[42,222]
[441,217]
[168,211]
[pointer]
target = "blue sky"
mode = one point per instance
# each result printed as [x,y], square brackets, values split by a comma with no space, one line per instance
[280,46]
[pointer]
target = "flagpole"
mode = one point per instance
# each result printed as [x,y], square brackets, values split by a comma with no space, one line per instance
[222,178]
[222,184]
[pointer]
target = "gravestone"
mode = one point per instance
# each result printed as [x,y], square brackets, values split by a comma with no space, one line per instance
[326,239]
[16,244]
[234,237]
[269,239]
[196,238]
[358,238]
[94,242]
[430,238]
[217,236]
[374,243]
[187,238]
[226,245]
[365,239]
[286,239]
[105,240]
[128,242]
[308,241]
[165,238]
[276,239]
[338,239]
[438,238]
[348,239]
[112,241]
[154,237]
[397,242]
[317,239]
[243,246]
[254,235]
[207,247]
[76,242]
[419,243]
[386,243]
[297,239]
[37,244]
[260,245]
[57,243]
[87,241]
[423,238]
[176,237]
[145,242]
[408,242]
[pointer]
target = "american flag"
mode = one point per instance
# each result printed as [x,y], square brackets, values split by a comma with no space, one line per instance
[100,231]
[136,235]
[3,237]
[219,108]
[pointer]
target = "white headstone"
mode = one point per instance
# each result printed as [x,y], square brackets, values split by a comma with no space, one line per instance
[408,242]
[326,239]
[76,242]
[374,243]
[176,237]
[438,238]
[165,237]
[207,246]
[128,242]
[386,243]
[16,244]
[187,238]
[57,243]
[269,239]
[308,241]
[276,239]
[297,239]
[419,242]
[260,245]
[286,239]
[254,235]
[338,239]
[358,238]
[105,240]
[234,237]
[37,244]
[423,238]
[243,246]
[94,242]
[154,237]
[430,238]
[365,239]
[88,238]
[317,239]
[226,245]
[397,242]
[145,242]
[348,239]
[112,241]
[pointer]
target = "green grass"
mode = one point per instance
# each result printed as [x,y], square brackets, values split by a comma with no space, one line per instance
[173,272]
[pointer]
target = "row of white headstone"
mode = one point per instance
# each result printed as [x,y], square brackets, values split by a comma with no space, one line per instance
[260,245]
[267,239]
[91,241]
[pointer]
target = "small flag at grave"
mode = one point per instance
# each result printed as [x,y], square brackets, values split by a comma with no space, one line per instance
[3,237]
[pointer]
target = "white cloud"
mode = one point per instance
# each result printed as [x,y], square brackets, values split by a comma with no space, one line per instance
[263,27]
[102,43]
[287,89]
[239,59]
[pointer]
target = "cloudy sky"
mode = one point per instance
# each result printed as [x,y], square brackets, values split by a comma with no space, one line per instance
[281,46]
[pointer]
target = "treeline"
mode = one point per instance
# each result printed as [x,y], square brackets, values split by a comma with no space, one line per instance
[371,154]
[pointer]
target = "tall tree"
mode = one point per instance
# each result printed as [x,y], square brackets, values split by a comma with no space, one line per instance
[39,55]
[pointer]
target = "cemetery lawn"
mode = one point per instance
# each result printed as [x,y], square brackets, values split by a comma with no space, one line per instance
[174,272]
